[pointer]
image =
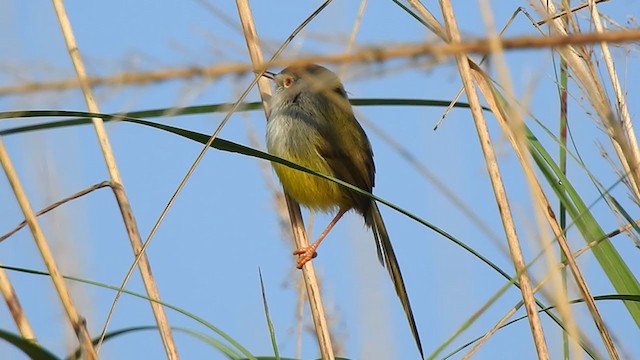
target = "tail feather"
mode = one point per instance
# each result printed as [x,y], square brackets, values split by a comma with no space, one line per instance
[387,258]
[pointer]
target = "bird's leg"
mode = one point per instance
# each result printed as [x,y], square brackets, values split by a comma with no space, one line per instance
[309,252]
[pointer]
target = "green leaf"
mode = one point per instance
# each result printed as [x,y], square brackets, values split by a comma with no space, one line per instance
[30,348]
[198,319]
[85,117]
[272,332]
[608,257]
[622,297]
[231,354]
[225,145]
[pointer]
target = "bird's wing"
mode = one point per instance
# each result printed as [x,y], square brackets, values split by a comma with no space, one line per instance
[350,163]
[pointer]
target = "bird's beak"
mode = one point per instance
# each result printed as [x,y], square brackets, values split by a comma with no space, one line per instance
[269,75]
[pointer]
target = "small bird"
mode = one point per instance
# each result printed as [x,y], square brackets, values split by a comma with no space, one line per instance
[312,124]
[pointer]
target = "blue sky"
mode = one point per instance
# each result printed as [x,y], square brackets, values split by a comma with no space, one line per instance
[224,226]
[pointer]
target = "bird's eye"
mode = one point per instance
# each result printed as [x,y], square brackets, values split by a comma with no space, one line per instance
[287,82]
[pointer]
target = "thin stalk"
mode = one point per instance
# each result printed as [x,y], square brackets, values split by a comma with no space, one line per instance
[55,205]
[584,71]
[77,322]
[563,167]
[121,196]
[16,310]
[496,181]
[297,224]
[622,109]
[365,54]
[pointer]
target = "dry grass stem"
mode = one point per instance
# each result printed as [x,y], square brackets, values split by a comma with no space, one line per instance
[459,93]
[565,12]
[77,322]
[13,303]
[496,181]
[560,266]
[622,109]
[121,196]
[299,235]
[587,77]
[55,205]
[513,127]
[543,206]
[584,55]
[195,164]
[497,109]
[511,120]
[551,274]
[362,55]
[352,37]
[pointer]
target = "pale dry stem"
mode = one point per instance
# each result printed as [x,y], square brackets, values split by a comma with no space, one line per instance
[121,196]
[354,33]
[511,120]
[16,310]
[55,205]
[371,54]
[542,206]
[565,12]
[559,267]
[496,180]
[622,109]
[297,224]
[77,322]
[585,73]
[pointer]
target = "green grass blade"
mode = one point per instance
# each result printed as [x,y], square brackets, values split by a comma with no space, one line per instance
[31,349]
[229,146]
[85,117]
[272,332]
[608,257]
[619,297]
[230,353]
[233,147]
[198,319]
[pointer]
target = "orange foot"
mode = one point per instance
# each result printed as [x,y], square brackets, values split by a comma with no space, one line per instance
[305,255]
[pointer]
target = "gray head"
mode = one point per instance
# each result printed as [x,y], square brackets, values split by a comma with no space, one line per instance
[310,78]
[299,84]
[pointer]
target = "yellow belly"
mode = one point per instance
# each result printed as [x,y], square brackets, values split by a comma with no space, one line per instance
[311,191]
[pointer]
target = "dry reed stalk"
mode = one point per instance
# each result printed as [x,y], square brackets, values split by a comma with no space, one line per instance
[511,121]
[55,205]
[504,319]
[536,190]
[519,146]
[121,196]
[580,63]
[559,267]
[77,322]
[364,54]
[496,181]
[297,224]
[284,224]
[623,110]
[565,12]
[543,205]
[586,75]
[118,189]
[13,303]
[352,37]
[513,126]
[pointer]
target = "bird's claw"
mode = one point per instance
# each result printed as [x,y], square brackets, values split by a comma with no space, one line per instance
[305,255]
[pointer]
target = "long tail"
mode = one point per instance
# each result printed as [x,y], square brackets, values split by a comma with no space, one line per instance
[388,259]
